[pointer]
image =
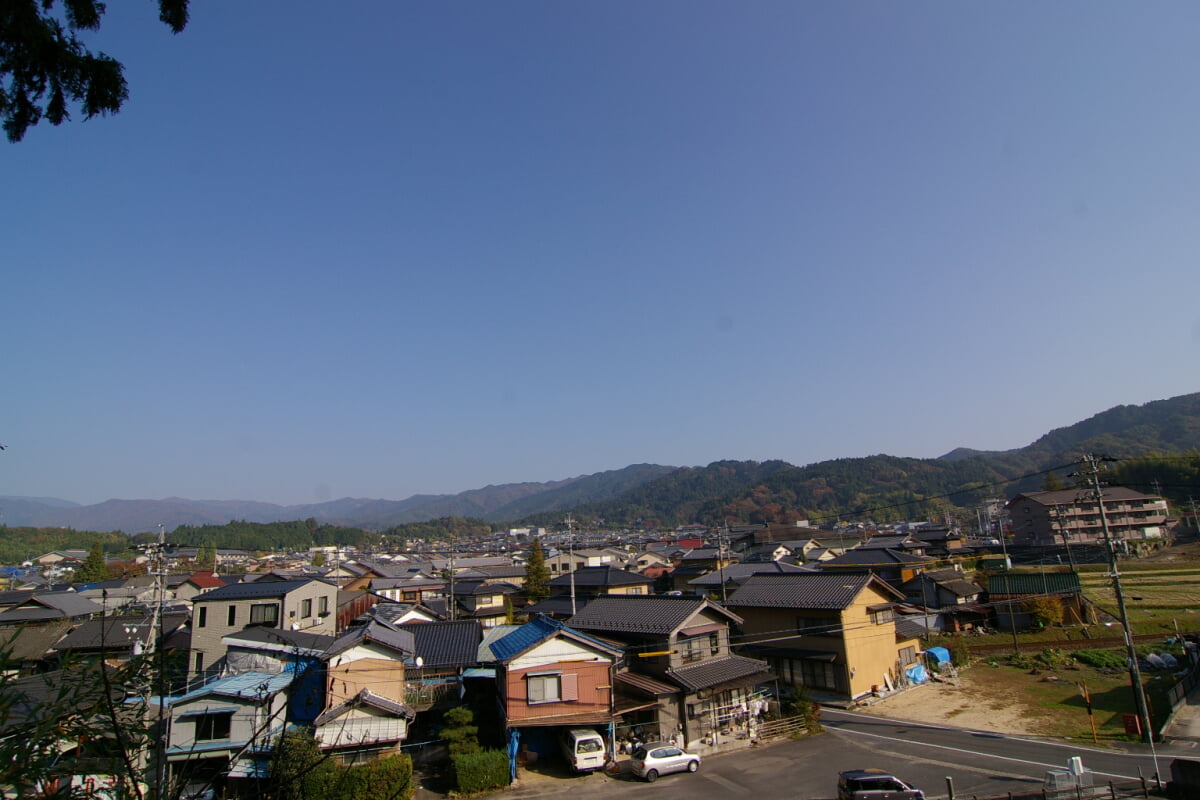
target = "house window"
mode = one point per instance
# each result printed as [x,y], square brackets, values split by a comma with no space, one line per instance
[818,674]
[693,650]
[306,608]
[714,643]
[199,662]
[264,614]
[203,617]
[232,616]
[214,726]
[908,655]
[544,688]
[881,616]
[323,605]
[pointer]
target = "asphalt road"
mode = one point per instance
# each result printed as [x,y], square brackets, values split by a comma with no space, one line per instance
[980,764]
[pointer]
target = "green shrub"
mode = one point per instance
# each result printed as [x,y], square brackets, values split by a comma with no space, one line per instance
[479,772]
[1102,659]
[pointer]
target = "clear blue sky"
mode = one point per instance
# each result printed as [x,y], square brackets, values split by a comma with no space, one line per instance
[385,248]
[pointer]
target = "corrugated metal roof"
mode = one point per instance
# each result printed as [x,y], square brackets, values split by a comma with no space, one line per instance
[248,685]
[1028,583]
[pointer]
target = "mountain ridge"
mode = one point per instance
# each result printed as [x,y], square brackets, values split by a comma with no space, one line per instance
[770,491]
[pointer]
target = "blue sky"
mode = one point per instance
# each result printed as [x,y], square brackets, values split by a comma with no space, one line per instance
[381,248]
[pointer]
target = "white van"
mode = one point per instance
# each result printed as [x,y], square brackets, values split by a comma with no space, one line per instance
[584,749]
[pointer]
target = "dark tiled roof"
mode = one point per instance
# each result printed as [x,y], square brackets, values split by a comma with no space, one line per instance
[1034,583]
[377,632]
[558,606]
[590,577]
[881,558]
[738,573]
[251,591]
[718,671]
[445,644]
[117,633]
[642,614]
[31,642]
[799,590]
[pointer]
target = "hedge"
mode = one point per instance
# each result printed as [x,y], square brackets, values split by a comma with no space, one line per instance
[478,772]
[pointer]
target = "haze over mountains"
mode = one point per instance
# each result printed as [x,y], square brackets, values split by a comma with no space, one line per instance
[672,494]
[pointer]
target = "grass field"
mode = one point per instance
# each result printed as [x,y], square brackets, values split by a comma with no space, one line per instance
[1162,596]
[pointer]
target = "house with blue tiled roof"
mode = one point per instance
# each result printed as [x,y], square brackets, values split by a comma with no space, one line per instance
[223,733]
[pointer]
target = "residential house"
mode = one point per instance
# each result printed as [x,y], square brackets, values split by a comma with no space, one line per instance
[833,634]
[120,638]
[365,714]
[1071,515]
[443,652]
[588,582]
[223,733]
[550,678]
[735,575]
[678,650]
[892,566]
[41,608]
[198,583]
[274,650]
[299,605]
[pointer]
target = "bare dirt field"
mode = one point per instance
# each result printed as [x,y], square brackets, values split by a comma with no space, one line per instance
[978,703]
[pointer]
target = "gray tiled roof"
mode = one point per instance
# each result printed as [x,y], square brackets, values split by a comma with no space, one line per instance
[642,614]
[878,558]
[799,590]
[445,644]
[738,573]
[602,576]
[401,641]
[718,671]
[250,591]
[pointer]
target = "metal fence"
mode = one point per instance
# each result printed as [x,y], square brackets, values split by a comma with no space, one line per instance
[1108,791]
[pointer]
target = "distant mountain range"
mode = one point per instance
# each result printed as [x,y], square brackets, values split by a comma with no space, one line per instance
[772,491]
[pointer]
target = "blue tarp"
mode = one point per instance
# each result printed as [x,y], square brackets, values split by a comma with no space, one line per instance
[917,673]
[939,654]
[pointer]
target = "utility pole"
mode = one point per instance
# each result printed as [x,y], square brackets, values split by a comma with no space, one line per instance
[571,559]
[452,605]
[721,540]
[1060,516]
[1091,464]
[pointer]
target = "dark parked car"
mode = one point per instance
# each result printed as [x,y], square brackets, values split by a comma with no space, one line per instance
[874,784]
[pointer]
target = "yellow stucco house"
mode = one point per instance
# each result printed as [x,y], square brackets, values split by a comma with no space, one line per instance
[831,633]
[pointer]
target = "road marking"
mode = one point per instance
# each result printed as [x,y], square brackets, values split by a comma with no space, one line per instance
[724,782]
[977,753]
[904,723]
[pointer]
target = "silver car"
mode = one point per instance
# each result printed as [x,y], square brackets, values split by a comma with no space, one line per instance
[658,758]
